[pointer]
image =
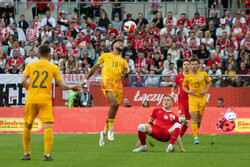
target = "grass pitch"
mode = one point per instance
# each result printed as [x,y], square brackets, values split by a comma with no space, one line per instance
[77,150]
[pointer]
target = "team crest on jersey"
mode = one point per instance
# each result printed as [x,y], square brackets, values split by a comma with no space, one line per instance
[165,117]
[201,77]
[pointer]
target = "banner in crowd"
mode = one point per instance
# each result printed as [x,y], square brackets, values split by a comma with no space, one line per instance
[233,97]
[92,120]
[12,89]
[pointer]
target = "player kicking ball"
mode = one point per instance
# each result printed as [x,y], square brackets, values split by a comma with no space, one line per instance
[184,115]
[199,83]
[40,75]
[163,125]
[113,68]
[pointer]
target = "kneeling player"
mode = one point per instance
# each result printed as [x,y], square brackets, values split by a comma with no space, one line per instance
[163,125]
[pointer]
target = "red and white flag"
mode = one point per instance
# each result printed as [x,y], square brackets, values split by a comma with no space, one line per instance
[25,4]
[56,3]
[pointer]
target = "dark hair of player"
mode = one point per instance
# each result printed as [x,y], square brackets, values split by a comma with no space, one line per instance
[193,60]
[117,40]
[44,50]
[221,99]
[186,60]
[169,97]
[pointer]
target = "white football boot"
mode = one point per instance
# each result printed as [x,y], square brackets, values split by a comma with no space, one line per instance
[111,134]
[102,138]
[141,149]
[170,148]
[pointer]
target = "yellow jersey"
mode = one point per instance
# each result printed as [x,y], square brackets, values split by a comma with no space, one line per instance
[41,74]
[197,82]
[112,67]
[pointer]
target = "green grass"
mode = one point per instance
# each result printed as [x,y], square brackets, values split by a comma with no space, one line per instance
[73,150]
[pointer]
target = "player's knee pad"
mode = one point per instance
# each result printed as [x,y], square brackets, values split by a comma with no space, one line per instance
[142,128]
[186,122]
[177,125]
[182,119]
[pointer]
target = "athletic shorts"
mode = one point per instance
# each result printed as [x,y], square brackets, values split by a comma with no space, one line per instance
[183,110]
[197,104]
[160,133]
[44,110]
[116,89]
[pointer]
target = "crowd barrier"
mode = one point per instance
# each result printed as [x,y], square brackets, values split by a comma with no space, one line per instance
[92,120]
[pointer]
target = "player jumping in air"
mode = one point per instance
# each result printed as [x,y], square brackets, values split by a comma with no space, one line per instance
[113,68]
[199,83]
[184,115]
[163,125]
[40,75]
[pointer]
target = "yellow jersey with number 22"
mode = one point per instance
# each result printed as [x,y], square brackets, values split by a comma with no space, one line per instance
[41,74]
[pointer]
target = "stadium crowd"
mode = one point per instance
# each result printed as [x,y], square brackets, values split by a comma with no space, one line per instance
[158,46]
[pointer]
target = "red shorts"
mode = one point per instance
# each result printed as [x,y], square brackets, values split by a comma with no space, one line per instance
[160,133]
[183,110]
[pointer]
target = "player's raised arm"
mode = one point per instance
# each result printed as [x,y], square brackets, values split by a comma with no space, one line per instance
[91,72]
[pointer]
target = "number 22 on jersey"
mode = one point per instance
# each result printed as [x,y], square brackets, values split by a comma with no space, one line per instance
[44,74]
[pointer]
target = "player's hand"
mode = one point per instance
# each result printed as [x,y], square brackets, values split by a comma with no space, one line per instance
[203,92]
[76,88]
[84,82]
[183,150]
[191,92]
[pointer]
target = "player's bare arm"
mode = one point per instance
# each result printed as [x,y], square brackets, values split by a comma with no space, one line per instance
[25,82]
[190,92]
[63,86]
[175,86]
[209,85]
[180,144]
[91,72]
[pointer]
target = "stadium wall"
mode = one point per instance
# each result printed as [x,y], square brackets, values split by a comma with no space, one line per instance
[91,120]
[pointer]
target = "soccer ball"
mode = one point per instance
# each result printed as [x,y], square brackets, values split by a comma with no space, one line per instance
[129,26]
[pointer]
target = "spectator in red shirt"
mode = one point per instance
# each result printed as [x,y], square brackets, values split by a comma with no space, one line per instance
[238,31]
[60,49]
[144,48]
[200,20]
[152,28]
[243,70]
[111,30]
[214,59]
[223,41]
[184,20]
[16,59]
[141,61]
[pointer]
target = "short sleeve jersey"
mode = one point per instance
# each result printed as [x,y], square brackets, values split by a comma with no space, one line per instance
[164,118]
[182,96]
[41,74]
[197,82]
[112,66]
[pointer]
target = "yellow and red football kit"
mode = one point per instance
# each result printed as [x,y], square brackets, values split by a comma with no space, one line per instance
[113,67]
[198,83]
[39,100]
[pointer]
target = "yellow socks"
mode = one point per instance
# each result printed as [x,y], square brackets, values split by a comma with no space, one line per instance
[48,139]
[106,128]
[26,138]
[111,122]
[195,128]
